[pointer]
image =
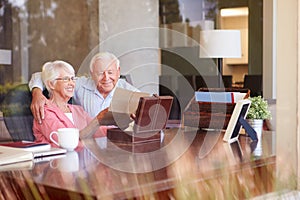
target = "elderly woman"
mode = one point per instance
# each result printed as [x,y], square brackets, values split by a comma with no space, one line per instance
[59,79]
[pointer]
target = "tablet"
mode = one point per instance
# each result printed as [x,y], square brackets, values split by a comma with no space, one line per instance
[237,120]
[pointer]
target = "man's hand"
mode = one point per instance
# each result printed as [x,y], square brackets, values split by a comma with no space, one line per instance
[101,116]
[121,120]
[37,104]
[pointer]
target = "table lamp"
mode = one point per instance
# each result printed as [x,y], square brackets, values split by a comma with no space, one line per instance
[220,44]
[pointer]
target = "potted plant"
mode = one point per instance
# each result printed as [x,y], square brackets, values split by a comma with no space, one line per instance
[259,108]
[258,112]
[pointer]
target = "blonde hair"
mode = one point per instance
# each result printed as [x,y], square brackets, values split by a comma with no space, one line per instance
[51,70]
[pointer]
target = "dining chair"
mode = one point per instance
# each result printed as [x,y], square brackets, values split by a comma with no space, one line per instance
[186,89]
[254,84]
[166,87]
[227,81]
[17,114]
[207,81]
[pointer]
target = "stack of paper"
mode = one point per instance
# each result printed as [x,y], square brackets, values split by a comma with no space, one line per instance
[9,155]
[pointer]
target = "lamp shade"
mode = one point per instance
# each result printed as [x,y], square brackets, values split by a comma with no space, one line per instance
[220,44]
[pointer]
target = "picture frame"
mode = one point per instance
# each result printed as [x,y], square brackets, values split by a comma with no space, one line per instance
[237,121]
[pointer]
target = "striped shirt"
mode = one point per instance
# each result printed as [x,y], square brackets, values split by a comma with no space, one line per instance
[87,95]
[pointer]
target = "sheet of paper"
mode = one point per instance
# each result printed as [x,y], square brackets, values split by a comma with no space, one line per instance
[220,97]
[125,101]
[238,96]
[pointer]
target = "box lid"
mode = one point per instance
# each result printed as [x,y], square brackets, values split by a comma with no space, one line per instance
[152,113]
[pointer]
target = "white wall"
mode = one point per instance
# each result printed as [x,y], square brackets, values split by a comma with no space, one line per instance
[129,29]
[287,103]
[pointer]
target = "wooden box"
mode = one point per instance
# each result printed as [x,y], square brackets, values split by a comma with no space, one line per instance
[211,115]
[119,135]
[151,117]
[135,147]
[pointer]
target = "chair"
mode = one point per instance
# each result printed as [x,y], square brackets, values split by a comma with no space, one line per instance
[186,89]
[227,81]
[127,78]
[254,84]
[200,82]
[17,114]
[166,87]
[209,81]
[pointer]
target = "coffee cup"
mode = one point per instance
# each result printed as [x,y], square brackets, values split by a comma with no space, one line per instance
[68,138]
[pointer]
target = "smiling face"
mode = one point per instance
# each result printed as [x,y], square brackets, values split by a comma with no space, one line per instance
[105,74]
[63,86]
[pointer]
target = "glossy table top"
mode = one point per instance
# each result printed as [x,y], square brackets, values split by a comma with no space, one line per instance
[105,169]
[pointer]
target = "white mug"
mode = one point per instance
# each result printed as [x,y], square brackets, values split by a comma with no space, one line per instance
[68,138]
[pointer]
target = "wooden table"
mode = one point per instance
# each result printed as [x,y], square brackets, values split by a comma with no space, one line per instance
[184,165]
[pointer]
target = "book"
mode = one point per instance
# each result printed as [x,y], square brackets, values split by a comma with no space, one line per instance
[9,155]
[28,145]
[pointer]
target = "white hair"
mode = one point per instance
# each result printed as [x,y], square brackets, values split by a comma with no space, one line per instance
[51,70]
[105,57]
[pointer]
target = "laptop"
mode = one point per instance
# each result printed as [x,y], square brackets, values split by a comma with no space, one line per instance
[40,159]
[50,152]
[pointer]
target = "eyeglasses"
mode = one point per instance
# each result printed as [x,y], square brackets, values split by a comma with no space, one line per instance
[67,79]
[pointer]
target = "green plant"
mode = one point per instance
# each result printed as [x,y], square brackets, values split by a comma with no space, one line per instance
[259,108]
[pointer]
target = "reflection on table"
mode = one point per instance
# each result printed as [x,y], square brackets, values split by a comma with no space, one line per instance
[183,165]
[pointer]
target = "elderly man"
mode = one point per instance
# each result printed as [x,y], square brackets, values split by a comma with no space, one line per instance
[94,93]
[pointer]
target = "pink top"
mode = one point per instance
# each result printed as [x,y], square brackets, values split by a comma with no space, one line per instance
[56,118]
